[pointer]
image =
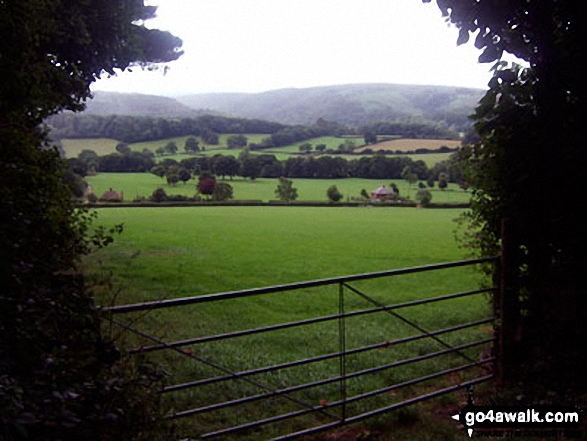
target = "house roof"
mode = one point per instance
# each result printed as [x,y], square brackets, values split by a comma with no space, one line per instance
[383,190]
[111,194]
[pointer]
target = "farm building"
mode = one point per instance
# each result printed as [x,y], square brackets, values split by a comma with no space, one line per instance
[382,193]
[112,196]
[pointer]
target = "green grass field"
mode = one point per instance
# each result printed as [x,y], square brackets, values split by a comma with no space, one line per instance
[102,146]
[178,252]
[143,184]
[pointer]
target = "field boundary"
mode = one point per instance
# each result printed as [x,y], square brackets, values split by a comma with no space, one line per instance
[254,203]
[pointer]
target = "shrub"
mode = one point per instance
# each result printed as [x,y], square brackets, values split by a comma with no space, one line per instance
[159,195]
[222,192]
[424,196]
[285,190]
[333,194]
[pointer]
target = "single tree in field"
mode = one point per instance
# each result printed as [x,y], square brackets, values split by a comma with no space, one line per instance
[285,191]
[206,185]
[192,145]
[172,175]
[222,191]
[442,181]
[333,194]
[410,177]
[159,195]
[423,196]
[171,148]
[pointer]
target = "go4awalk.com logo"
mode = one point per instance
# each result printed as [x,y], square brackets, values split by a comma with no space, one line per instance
[522,421]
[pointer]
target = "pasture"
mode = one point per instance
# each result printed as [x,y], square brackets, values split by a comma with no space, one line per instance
[410,145]
[179,252]
[102,146]
[143,184]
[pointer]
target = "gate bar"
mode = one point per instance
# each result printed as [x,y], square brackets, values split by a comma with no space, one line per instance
[405,320]
[210,338]
[299,387]
[318,358]
[287,287]
[381,410]
[298,413]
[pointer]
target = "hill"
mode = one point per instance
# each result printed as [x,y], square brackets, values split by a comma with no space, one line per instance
[353,105]
[134,104]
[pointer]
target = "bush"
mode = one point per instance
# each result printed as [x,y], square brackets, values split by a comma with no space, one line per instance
[333,194]
[424,196]
[222,192]
[159,195]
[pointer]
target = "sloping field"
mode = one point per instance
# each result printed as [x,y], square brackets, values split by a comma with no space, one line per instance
[411,145]
[180,252]
[105,146]
[102,146]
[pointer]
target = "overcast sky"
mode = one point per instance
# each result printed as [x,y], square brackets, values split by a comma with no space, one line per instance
[260,45]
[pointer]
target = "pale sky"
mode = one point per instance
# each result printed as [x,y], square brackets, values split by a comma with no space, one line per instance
[260,45]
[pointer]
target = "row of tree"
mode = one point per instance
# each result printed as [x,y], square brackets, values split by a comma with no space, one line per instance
[141,128]
[264,166]
[138,129]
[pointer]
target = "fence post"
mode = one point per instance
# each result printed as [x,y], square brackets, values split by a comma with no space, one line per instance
[506,303]
[342,350]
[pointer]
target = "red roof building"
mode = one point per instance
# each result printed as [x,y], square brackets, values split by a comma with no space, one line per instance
[382,193]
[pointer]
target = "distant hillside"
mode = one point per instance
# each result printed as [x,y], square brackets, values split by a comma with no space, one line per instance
[353,105]
[134,104]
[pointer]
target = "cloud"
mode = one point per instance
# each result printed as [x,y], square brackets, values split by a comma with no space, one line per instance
[258,45]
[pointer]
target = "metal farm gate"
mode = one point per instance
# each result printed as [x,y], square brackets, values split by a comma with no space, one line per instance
[341,376]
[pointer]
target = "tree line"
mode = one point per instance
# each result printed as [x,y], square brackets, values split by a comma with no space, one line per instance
[254,166]
[130,129]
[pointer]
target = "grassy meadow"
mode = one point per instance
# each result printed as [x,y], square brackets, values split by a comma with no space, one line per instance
[409,145]
[143,184]
[190,251]
[102,146]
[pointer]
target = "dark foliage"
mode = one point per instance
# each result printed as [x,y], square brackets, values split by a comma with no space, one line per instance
[59,377]
[525,165]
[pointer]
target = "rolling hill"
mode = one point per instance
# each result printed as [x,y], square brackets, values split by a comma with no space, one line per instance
[134,104]
[353,105]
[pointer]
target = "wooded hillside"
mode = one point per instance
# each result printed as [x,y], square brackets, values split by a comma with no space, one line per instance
[353,105]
